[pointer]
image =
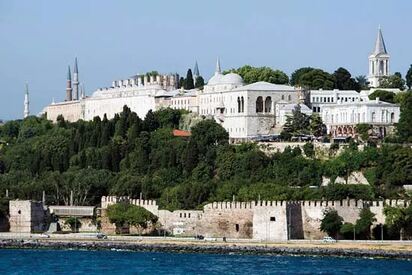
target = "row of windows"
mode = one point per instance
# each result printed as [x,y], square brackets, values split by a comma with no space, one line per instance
[331,99]
[267,106]
[356,118]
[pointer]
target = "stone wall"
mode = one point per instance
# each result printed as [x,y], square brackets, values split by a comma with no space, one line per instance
[261,220]
[27,216]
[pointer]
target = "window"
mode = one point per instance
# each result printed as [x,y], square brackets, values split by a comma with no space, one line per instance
[283,97]
[239,107]
[272,219]
[259,105]
[237,227]
[373,116]
[268,104]
[392,117]
[289,97]
[242,104]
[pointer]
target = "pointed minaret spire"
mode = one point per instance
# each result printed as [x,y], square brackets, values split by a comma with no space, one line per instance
[218,70]
[69,86]
[75,81]
[380,47]
[82,92]
[196,70]
[196,73]
[26,102]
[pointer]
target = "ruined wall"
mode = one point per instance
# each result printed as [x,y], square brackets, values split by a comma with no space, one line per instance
[26,216]
[86,224]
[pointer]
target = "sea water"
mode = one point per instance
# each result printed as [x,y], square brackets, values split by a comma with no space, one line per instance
[20,261]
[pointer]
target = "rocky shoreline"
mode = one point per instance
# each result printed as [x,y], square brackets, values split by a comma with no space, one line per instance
[206,248]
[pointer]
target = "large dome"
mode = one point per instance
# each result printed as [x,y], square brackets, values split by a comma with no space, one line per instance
[215,79]
[230,78]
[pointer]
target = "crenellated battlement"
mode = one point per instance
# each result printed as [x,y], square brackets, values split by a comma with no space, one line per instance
[231,205]
[109,200]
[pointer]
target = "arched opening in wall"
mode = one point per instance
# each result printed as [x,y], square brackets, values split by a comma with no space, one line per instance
[239,107]
[237,227]
[373,116]
[268,104]
[259,105]
[242,104]
[392,117]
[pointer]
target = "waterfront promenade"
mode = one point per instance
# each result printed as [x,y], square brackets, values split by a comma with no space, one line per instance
[392,249]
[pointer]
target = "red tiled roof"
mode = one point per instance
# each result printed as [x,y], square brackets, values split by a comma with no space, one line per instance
[181,133]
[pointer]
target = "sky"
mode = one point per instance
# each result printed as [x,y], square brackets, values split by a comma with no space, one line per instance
[116,39]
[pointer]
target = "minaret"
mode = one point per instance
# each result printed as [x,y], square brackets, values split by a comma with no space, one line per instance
[26,102]
[75,81]
[378,61]
[196,73]
[218,70]
[69,86]
[82,93]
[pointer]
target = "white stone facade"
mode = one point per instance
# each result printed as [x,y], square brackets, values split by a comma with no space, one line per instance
[341,118]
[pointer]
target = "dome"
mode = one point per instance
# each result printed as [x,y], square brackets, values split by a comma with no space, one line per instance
[232,78]
[215,79]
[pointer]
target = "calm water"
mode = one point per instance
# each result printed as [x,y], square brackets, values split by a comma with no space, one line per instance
[123,262]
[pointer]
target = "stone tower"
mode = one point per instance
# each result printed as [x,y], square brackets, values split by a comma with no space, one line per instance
[26,102]
[378,62]
[218,70]
[69,86]
[75,81]
[196,73]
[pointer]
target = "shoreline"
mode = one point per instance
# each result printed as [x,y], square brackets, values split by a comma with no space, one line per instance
[363,250]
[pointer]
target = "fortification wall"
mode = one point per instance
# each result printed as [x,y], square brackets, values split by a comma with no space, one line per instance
[26,216]
[270,221]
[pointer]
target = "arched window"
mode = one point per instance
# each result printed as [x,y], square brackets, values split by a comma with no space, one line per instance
[283,97]
[373,116]
[268,104]
[392,117]
[242,104]
[239,108]
[259,105]
[289,97]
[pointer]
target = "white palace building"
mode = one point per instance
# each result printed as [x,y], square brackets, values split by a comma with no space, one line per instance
[245,111]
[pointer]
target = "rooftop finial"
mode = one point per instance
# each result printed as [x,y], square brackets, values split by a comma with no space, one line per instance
[196,70]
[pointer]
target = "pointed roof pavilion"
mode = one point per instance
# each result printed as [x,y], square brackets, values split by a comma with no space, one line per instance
[380,47]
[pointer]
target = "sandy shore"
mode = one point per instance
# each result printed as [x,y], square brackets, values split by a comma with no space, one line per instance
[388,249]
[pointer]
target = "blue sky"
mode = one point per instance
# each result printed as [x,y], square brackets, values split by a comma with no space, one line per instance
[115,39]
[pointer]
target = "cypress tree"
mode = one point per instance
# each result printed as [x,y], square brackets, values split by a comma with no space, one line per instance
[189,84]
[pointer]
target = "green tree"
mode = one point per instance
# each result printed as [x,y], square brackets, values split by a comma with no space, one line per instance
[317,79]
[347,230]
[408,78]
[400,219]
[363,130]
[317,128]
[297,124]
[254,74]
[74,223]
[404,126]
[189,84]
[383,95]
[394,81]
[200,82]
[309,149]
[139,217]
[344,80]
[295,78]
[331,222]
[362,82]
[364,223]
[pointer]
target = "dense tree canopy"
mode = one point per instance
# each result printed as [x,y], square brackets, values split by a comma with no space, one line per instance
[344,80]
[130,156]
[408,78]
[254,74]
[383,95]
[317,79]
[394,81]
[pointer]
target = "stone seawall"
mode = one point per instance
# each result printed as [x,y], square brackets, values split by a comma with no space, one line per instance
[217,248]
